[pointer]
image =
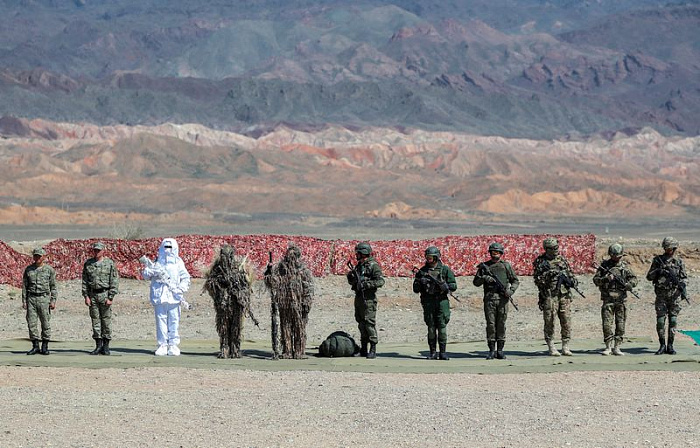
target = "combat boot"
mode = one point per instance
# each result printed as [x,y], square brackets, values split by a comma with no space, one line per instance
[35,347]
[492,350]
[565,349]
[98,347]
[363,348]
[499,352]
[372,353]
[443,353]
[669,346]
[552,349]
[616,350]
[105,347]
[607,350]
[45,348]
[433,353]
[662,347]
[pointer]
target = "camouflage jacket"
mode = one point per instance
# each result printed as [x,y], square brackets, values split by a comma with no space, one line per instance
[504,272]
[370,276]
[613,289]
[39,281]
[547,274]
[100,276]
[441,282]
[667,273]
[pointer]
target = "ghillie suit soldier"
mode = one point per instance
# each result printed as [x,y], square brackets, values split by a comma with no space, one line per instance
[500,282]
[614,278]
[554,279]
[228,283]
[667,272]
[434,281]
[365,278]
[291,286]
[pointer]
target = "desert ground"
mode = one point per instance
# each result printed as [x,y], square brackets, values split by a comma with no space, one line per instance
[400,399]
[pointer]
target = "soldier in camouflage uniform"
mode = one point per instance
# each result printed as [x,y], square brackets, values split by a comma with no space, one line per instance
[551,273]
[100,285]
[365,278]
[667,272]
[39,298]
[434,281]
[496,301]
[614,278]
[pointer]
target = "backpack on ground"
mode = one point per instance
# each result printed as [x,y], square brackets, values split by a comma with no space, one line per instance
[338,345]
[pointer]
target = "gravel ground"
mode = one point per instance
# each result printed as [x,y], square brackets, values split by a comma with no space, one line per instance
[172,406]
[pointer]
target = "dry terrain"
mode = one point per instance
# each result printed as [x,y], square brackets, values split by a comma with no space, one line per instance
[399,399]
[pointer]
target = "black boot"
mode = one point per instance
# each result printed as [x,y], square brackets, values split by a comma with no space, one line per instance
[45,348]
[105,347]
[98,347]
[499,352]
[669,346]
[372,353]
[492,350]
[662,347]
[35,347]
[443,353]
[431,346]
[363,348]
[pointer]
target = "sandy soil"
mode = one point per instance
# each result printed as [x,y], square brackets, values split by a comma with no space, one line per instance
[175,406]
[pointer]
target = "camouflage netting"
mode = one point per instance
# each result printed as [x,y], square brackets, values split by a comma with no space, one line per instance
[323,257]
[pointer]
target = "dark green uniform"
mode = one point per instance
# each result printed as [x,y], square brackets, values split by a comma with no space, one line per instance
[434,299]
[614,296]
[100,283]
[495,304]
[366,297]
[38,293]
[669,276]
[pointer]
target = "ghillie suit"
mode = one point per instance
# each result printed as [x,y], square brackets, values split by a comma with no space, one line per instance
[291,287]
[228,282]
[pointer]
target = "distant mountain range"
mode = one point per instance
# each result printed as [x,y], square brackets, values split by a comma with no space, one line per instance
[514,68]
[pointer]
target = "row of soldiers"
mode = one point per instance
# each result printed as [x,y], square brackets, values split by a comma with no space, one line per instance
[291,286]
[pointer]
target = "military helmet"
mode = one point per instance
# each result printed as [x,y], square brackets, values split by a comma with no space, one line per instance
[550,243]
[496,247]
[432,251]
[615,250]
[363,248]
[669,242]
[39,251]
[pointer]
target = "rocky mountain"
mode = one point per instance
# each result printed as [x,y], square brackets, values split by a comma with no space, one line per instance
[521,68]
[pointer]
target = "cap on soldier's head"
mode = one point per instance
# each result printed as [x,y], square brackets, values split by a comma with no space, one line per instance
[496,247]
[669,242]
[363,248]
[98,246]
[39,251]
[432,251]
[550,243]
[615,250]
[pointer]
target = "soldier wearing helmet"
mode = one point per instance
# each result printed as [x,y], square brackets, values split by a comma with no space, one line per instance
[668,274]
[496,300]
[39,298]
[614,278]
[554,295]
[434,281]
[365,278]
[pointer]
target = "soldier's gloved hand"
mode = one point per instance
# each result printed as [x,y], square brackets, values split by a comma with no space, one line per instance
[628,286]
[444,287]
[423,281]
[351,277]
[185,305]
[489,279]
[366,284]
[610,278]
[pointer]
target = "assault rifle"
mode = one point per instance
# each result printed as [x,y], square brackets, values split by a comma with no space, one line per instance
[563,278]
[358,279]
[440,286]
[500,287]
[616,278]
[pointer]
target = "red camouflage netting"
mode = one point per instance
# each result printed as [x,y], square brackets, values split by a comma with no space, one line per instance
[324,257]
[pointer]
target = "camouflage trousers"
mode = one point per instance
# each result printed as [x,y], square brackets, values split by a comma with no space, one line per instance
[666,305]
[101,316]
[38,311]
[496,314]
[436,315]
[614,316]
[553,306]
[366,318]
